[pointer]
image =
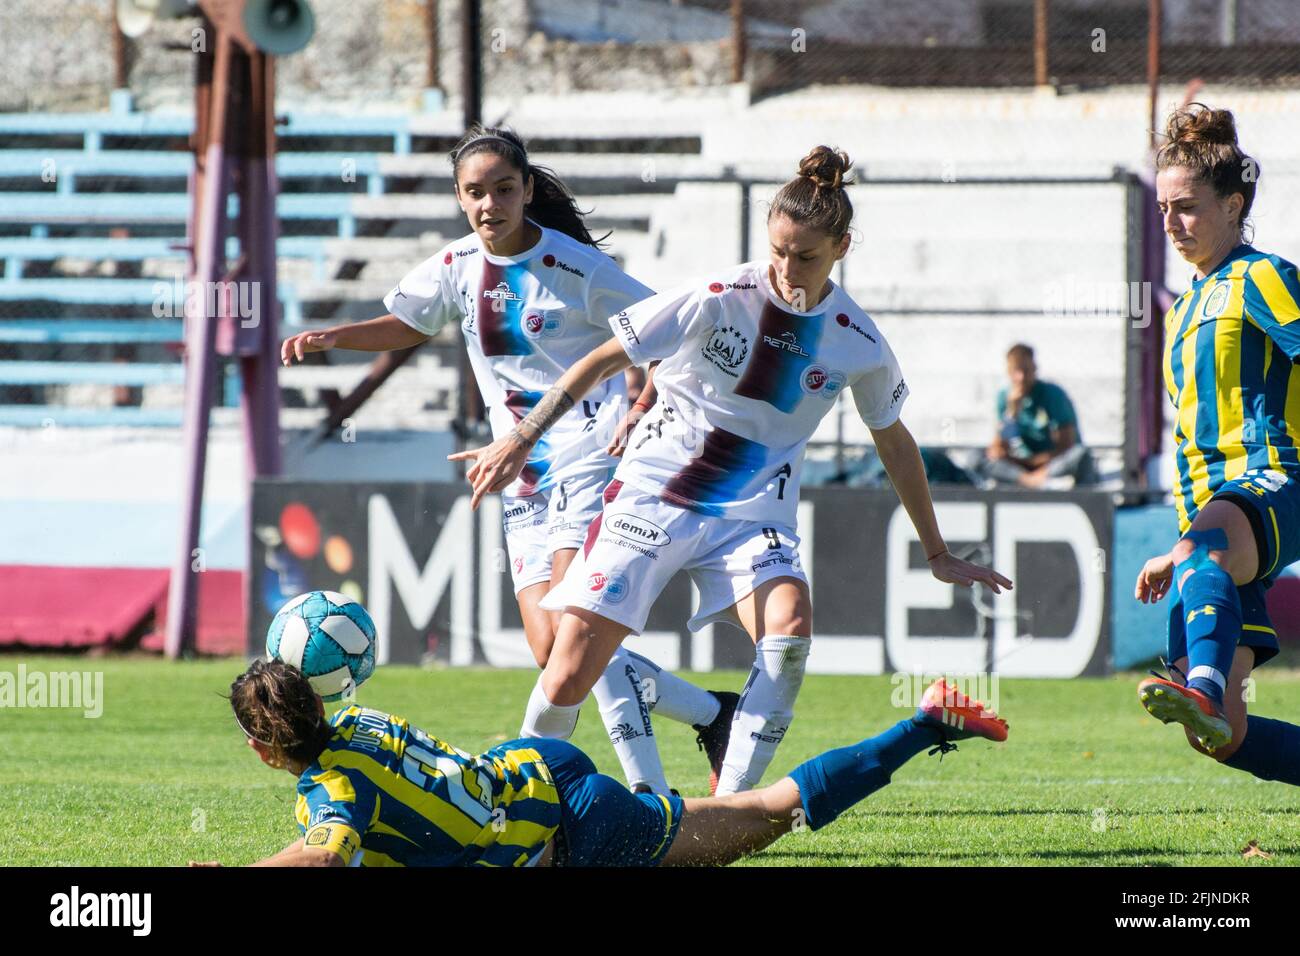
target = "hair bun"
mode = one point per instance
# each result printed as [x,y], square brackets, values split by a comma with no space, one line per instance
[1198,124]
[826,167]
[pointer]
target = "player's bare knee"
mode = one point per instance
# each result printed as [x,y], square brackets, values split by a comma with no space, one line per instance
[795,624]
[795,618]
[563,689]
[563,680]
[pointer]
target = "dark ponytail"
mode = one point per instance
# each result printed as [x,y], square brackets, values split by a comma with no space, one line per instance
[1204,140]
[816,196]
[553,206]
[276,705]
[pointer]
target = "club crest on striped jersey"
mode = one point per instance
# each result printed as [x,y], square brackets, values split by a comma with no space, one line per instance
[819,380]
[727,349]
[1216,302]
[537,323]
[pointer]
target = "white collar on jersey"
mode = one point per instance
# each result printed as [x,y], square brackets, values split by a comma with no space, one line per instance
[524,256]
[775,297]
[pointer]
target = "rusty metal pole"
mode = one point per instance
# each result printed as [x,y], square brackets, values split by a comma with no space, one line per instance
[208,255]
[259,228]
[738,50]
[121,52]
[1040,43]
[1155,16]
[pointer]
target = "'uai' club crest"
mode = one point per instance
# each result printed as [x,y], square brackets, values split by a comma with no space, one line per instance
[727,347]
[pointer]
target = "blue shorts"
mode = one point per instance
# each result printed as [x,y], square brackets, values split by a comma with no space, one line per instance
[1271,502]
[603,823]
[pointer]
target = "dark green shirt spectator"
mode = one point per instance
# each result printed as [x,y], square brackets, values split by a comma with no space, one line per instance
[1045,408]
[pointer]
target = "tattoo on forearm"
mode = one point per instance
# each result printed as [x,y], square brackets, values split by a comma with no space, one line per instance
[544,414]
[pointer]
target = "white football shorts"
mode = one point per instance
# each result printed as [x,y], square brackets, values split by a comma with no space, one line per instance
[640,542]
[540,524]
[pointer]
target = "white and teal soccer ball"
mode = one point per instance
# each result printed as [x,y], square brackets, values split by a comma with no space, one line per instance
[329,637]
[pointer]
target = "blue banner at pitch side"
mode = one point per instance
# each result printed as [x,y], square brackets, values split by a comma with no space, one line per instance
[1139,629]
[435,577]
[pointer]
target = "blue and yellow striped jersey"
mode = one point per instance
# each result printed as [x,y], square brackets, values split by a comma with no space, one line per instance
[408,799]
[1230,341]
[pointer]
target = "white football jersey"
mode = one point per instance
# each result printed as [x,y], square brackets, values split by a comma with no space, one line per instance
[526,319]
[743,383]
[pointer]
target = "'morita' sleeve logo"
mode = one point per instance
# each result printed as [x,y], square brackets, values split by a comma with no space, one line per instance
[719,287]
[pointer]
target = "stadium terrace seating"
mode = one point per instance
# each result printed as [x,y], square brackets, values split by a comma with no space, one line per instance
[94,212]
[92,233]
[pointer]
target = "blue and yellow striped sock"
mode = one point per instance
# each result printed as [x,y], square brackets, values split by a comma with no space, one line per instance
[834,781]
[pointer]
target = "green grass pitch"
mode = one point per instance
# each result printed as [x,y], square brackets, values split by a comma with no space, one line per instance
[164,776]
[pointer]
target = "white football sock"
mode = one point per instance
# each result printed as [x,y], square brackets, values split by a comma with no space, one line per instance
[544,719]
[670,696]
[765,711]
[627,721]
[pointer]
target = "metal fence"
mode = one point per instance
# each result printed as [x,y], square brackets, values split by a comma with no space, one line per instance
[776,45]
[371,54]
[1057,43]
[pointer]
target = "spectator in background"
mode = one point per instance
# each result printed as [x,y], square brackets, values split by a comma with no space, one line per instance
[1038,443]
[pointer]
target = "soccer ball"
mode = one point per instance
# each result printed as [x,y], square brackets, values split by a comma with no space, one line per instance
[329,637]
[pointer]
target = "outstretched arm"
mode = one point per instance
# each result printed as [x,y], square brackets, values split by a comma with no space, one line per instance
[902,459]
[501,462]
[383,334]
[295,854]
